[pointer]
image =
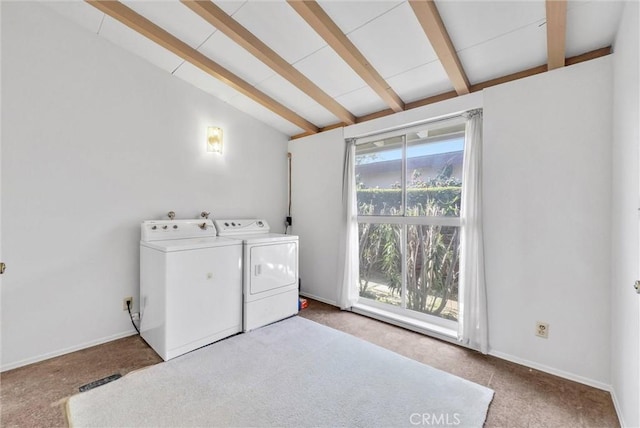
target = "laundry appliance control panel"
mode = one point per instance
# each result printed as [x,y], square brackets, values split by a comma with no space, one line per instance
[230,227]
[155,230]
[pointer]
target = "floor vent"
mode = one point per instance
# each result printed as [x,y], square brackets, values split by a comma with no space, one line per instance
[100,382]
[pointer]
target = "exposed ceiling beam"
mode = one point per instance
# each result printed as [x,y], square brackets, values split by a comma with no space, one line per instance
[239,34]
[556,32]
[148,29]
[318,19]
[429,18]
[598,53]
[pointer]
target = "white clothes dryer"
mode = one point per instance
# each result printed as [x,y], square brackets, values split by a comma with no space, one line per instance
[270,271]
[190,286]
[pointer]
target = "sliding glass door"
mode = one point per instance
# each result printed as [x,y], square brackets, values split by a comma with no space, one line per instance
[408,190]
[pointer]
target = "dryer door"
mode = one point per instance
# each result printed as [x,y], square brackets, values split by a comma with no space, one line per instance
[273,266]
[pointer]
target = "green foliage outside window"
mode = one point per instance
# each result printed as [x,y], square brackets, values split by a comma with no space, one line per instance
[432,259]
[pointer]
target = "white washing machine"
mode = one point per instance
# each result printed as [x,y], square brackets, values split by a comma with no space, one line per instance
[270,271]
[190,286]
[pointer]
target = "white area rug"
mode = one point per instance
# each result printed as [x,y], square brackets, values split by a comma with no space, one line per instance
[294,373]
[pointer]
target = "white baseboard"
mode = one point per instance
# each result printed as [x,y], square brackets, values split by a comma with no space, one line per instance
[556,372]
[318,298]
[53,354]
[616,405]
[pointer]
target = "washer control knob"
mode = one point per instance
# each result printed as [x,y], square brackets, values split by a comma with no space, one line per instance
[154,227]
[226,224]
[175,226]
[233,224]
[165,226]
[260,224]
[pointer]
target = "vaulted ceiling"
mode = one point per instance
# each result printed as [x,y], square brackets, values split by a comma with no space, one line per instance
[306,66]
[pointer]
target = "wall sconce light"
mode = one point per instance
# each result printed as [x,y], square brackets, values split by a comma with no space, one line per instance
[214,139]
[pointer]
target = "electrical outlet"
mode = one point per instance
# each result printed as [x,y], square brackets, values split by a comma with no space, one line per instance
[124,303]
[542,329]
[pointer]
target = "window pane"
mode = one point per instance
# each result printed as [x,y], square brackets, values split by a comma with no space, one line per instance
[434,174]
[378,167]
[380,262]
[432,270]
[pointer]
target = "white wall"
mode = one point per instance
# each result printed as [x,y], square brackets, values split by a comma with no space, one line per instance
[415,116]
[316,208]
[625,303]
[94,141]
[547,172]
[1,258]
[547,181]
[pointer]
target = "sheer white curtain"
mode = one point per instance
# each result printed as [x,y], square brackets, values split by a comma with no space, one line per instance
[348,288]
[472,295]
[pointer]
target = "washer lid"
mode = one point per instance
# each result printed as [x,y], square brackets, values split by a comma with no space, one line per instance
[170,245]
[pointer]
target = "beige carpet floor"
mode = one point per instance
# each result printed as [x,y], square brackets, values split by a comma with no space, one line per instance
[32,396]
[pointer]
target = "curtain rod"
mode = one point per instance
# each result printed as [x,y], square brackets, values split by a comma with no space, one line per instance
[411,125]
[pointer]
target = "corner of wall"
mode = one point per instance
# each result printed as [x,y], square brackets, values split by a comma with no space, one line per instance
[625,243]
